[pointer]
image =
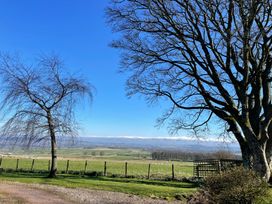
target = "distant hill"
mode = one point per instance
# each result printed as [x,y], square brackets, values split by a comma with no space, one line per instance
[145,143]
[157,144]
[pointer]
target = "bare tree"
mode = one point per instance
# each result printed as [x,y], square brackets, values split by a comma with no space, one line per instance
[39,101]
[209,58]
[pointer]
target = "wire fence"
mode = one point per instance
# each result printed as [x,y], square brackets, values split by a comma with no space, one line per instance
[142,169]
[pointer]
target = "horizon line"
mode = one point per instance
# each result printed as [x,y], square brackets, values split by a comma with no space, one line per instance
[187,138]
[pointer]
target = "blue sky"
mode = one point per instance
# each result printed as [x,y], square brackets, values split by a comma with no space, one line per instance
[76,30]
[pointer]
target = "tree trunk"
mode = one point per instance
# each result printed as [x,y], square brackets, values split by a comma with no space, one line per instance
[53,170]
[269,161]
[255,157]
[260,164]
[246,156]
[256,153]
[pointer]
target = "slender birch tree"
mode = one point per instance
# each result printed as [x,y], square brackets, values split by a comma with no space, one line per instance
[39,101]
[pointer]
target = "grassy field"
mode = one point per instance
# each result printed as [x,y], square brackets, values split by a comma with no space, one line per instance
[137,162]
[161,169]
[137,166]
[154,189]
[85,153]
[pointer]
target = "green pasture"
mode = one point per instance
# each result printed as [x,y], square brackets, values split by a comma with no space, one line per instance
[137,168]
[85,153]
[155,189]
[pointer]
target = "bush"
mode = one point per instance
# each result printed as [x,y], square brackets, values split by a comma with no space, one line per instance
[233,186]
[200,197]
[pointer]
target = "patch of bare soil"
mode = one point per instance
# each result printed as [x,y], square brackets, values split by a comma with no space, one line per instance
[21,193]
[46,194]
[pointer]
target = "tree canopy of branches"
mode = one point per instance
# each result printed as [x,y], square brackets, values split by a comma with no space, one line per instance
[211,58]
[39,101]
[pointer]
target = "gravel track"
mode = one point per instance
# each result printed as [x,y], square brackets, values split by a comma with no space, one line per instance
[12,192]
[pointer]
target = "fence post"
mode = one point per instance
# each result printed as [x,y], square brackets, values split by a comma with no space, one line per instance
[173,171]
[126,169]
[17,164]
[32,165]
[105,168]
[49,165]
[197,171]
[85,167]
[148,171]
[67,166]
[1,161]
[219,166]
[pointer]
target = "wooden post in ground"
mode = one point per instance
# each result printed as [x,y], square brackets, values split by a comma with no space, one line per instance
[17,164]
[105,169]
[49,165]
[1,161]
[67,166]
[148,171]
[85,167]
[173,171]
[32,165]
[219,166]
[126,165]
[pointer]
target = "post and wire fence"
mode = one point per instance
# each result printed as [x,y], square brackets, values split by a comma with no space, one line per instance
[138,169]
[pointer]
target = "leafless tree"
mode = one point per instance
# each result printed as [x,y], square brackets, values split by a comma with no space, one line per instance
[209,58]
[39,101]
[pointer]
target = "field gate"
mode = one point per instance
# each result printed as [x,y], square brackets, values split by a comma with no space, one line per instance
[203,168]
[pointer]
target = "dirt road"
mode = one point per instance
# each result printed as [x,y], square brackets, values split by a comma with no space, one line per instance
[46,194]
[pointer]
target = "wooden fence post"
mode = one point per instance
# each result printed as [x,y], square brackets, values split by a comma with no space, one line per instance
[126,169]
[32,165]
[197,171]
[67,166]
[105,168]
[17,164]
[85,168]
[173,171]
[49,165]
[148,171]
[219,166]
[1,161]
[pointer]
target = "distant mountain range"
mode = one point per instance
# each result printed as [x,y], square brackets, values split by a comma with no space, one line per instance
[180,144]
[145,143]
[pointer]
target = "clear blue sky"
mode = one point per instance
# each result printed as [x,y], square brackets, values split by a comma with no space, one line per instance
[76,30]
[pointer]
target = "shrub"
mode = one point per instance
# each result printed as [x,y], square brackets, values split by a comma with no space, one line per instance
[234,186]
[200,197]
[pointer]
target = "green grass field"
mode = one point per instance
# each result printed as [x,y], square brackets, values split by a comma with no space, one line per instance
[161,169]
[156,189]
[137,162]
[137,166]
[86,153]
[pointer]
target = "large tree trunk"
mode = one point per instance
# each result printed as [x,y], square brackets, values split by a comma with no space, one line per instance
[53,170]
[260,164]
[255,157]
[268,152]
[246,155]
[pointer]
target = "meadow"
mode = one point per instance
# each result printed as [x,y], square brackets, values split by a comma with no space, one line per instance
[159,186]
[138,161]
[120,162]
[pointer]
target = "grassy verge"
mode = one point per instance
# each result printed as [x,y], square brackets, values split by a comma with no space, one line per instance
[156,189]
